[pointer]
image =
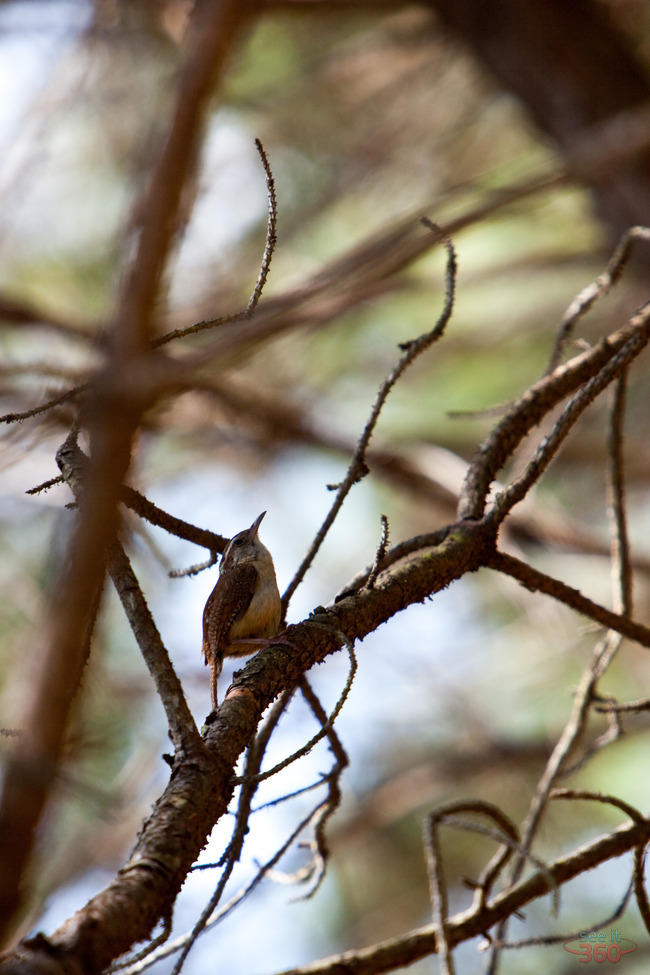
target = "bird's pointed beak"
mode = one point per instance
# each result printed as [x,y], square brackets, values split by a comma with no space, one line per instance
[254,528]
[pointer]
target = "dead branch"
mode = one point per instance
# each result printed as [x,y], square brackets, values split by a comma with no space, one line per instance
[269,247]
[358,467]
[408,948]
[200,789]
[536,581]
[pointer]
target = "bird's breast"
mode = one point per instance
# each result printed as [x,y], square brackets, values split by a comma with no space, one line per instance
[262,618]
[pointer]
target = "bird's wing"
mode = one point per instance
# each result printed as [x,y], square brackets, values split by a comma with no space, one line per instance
[227,602]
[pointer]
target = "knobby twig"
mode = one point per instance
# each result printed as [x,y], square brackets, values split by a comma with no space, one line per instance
[269,247]
[380,556]
[182,729]
[194,569]
[358,467]
[583,302]
[327,725]
[332,778]
[231,855]
[548,448]
[46,485]
[604,654]
[638,881]
[399,551]
[271,239]
[404,950]
[67,397]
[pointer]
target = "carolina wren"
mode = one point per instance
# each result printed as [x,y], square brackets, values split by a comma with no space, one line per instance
[244,608]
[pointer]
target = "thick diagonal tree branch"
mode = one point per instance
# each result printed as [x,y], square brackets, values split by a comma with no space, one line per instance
[200,789]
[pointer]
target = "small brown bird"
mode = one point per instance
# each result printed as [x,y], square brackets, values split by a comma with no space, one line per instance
[244,608]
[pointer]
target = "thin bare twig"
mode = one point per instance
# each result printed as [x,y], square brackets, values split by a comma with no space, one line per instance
[583,302]
[358,466]
[536,581]
[192,570]
[630,706]
[536,403]
[544,454]
[380,556]
[250,783]
[625,807]
[286,796]
[437,890]
[393,555]
[620,543]
[620,549]
[182,728]
[639,852]
[232,853]
[554,939]
[65,397]
[269,247]
[640,891]
[325,728]
[145,952]
[46,485]
[332,778]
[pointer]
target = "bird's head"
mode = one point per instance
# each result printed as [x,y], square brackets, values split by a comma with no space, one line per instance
[244,547]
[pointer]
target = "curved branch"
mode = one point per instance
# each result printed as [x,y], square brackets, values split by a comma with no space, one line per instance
[408,948]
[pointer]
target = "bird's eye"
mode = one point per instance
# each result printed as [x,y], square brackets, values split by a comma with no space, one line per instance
[238,541]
